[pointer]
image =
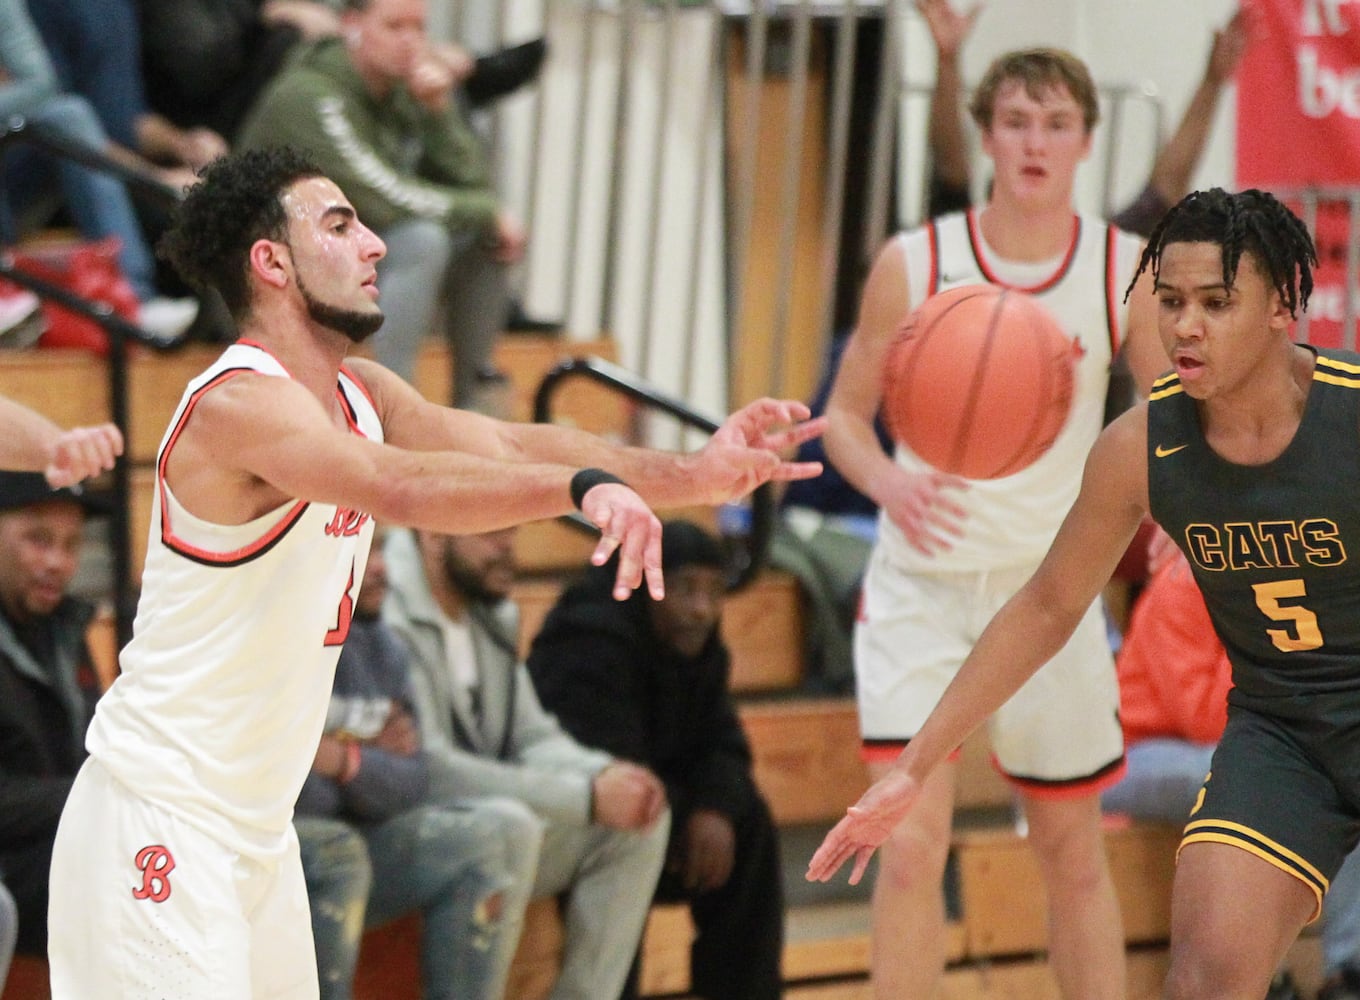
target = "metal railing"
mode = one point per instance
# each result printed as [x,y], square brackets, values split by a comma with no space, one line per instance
[120,332]
[747,550]
[1337,242]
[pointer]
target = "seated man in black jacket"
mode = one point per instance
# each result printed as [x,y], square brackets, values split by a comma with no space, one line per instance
[48,686]
[647,682]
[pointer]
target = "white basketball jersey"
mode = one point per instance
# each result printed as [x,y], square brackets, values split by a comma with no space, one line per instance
[1012,520]
[224,687]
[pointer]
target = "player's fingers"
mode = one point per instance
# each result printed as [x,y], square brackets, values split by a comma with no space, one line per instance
[636,540]
[651,566]
[862,857]
[787,472]
[789,438]
[604,548]
[828,858]
[110,438]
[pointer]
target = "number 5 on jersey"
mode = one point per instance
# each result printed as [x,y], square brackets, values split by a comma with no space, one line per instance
[1305,633]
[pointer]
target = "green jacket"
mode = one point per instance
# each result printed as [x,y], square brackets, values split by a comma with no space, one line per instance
[393,158]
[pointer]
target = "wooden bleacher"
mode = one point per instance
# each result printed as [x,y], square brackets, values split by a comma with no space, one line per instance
[806,750]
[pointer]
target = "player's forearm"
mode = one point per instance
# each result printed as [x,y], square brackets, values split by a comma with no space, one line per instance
[28,439]
[948,146]
[1176,161]
[662,478]
[853,447]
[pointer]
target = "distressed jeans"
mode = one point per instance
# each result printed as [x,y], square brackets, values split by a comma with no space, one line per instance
[469,870]
[336,868]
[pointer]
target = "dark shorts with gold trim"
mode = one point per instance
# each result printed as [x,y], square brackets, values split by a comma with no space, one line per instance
[1272,794]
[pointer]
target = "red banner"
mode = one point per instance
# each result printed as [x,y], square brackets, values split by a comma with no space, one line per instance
[1298,125]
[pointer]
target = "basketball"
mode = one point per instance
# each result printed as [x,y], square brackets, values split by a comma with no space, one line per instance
[979,381]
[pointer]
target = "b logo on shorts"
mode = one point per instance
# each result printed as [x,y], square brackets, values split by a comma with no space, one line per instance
[155,863]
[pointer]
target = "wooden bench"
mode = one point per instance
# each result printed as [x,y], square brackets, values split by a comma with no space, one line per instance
[1003,895]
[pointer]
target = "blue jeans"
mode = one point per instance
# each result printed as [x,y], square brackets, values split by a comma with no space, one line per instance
[608,878]
[468,868]
[1162,780]
[1341,917]
[9,930]
[98,202]
[96,48]
[335,865]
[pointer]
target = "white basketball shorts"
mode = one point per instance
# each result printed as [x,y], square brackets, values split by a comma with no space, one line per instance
[145,906]
[1058,735]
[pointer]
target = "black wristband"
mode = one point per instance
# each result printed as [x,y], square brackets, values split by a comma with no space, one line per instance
[587,479]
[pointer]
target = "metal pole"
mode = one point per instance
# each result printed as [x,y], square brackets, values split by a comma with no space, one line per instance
[618,157]
[1352,267]
[707,127]
[788,206]
[579,157]
[833,204]
[757,36]
[880,176]
[658,184]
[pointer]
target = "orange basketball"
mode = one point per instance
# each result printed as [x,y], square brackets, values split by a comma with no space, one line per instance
[979,381]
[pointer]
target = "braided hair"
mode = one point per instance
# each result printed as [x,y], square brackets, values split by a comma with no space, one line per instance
[1253,221]
[236,201]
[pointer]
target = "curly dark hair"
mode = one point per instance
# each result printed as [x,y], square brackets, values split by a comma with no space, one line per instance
[236,202]
[1251,220]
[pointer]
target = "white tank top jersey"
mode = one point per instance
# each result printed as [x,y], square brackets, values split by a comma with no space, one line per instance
[224,687]
[1012,520]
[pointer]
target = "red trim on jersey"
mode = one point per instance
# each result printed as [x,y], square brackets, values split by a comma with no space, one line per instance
[358,384]
[168,536]
[975,244]
[933,239]
[1111,292]
[1058,791]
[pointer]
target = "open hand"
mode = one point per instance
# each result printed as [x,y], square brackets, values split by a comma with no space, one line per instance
[865,825]
[917,503]
[748,449]
[948,27]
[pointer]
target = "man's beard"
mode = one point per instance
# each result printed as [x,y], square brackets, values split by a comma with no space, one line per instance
[466,580]
[357,326]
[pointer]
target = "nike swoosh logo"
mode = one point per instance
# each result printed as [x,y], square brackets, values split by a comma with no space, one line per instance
[1162,451]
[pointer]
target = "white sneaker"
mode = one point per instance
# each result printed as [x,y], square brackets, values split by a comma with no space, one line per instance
[21,318]
[166,319]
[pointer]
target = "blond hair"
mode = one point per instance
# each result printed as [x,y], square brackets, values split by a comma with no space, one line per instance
[1039,71]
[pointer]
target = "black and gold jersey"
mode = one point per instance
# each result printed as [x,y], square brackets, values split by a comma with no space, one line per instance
[1275,548]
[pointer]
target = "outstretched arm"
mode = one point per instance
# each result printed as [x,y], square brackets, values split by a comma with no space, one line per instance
[745,452]
[1023,635]
[256,441]
[1176,161]
[948,146]
[31,442]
